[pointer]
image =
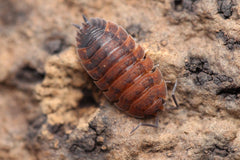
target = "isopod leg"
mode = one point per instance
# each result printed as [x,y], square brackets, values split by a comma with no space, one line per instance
[173,95]
[147,124]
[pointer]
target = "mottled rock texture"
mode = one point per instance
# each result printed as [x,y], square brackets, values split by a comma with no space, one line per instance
[50,108]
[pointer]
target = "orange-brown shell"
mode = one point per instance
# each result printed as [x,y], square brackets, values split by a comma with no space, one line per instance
[120,68]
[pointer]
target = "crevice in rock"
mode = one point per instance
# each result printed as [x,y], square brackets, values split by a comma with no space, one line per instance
[180,5]
[136,31]
[225,8]
[88,99]
[229,42]
[55,44]
[200,68]
[28,74]
[230,91]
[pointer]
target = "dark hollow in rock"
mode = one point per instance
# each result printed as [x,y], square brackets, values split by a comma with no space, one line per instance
[55,44]
[197,65]
[200,68]
[29,74]
[229,91]
[225,8]
[220,151]
[136,31]
[180,5]
[229,42]
[87,99]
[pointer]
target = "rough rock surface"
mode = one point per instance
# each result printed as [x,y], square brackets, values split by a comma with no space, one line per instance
[50,109]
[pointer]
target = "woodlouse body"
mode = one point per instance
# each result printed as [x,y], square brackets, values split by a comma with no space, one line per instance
[120,68]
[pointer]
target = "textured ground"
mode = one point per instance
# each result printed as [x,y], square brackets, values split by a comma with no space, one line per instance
[50,109]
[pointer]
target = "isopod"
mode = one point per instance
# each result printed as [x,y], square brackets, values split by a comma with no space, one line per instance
[121,69]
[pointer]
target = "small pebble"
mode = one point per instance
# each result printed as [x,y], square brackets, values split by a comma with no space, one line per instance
[104,148]
[100,140]
[163,43]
